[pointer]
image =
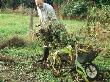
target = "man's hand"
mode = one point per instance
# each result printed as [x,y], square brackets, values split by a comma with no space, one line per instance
[38,25]
[43,31]
[37,34]
[50,22]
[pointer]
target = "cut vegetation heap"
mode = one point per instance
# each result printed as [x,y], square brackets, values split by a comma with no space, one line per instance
[13,42]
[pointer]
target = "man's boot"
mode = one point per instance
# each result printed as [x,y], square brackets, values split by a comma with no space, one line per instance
[45,53]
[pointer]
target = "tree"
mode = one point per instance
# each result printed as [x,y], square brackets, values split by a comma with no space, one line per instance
[57,6]
[48,1]
[28,3]
[10,4]
[0,4]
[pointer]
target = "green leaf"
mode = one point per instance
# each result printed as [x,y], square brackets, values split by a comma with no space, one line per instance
[81,71]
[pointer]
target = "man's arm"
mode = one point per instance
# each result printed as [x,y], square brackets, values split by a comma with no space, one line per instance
[51,14]
[39,14]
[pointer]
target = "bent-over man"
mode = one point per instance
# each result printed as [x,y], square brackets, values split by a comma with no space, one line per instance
[50,28]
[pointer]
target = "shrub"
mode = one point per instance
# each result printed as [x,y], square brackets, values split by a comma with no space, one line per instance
[10,3]
[13,42]
[75,9]
[101,15]
[15,3]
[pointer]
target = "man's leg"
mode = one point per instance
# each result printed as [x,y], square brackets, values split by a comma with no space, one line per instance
[47,39]
[46,53]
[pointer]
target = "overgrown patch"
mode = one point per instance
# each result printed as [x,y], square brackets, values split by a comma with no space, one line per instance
[13,42]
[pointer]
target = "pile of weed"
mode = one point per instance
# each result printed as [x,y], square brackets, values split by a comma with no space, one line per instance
[12,42]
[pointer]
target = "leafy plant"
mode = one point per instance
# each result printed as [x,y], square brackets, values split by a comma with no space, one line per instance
[80,69]
[101,15]
[16,3]
[75,8]
[58,2]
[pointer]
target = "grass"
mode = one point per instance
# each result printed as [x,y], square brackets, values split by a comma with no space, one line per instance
[14,24]
[11,24]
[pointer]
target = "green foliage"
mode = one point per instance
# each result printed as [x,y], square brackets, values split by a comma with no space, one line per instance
[28,3]
[58,1]
[80,8]
[10,3]
[1,80]
[104,2]
[15,3]
[101,15]
[80,69]
[75,8]
[55,56]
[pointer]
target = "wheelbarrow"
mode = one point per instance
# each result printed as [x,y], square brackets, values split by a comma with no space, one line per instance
[84,58]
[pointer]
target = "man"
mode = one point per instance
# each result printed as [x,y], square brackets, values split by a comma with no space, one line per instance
[49,25]
[45,11]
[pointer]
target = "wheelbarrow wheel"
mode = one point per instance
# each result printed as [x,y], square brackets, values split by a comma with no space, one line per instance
[91,71]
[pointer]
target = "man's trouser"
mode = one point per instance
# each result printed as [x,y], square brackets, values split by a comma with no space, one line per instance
[47,39]
[52,36]
[45,53]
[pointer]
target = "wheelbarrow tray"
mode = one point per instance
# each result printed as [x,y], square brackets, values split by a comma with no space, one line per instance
[89,56]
